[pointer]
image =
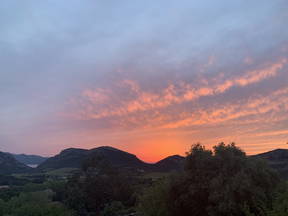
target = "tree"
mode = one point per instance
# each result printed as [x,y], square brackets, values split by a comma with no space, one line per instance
[218,182]
[280,203]
[98,187]
[223,182]
[33,204]
[154,200]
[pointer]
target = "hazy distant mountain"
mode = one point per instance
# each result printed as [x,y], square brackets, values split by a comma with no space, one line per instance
[75,157]
[277,159]
[9,165]
[29,159]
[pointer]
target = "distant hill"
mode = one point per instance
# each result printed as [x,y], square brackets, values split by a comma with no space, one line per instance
[29,159]
[74,158]
[9,165]
[175,162]
[68,158]
[277,159]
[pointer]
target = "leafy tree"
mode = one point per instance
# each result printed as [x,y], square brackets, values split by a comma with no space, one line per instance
[280,203]
[154,200]
[98,186]
[115,208]
[33,204]
[221,182]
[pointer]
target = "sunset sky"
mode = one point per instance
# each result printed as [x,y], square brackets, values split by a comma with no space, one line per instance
[148,77]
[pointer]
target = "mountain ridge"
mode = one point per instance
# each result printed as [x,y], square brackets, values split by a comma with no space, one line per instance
[276,159]
[74,158]
[29,159]
[9,165]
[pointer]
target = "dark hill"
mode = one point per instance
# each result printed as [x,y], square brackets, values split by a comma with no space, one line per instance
[118,157]
[277,159]
[74,158]
[29,159]
[9,165]
[175,162]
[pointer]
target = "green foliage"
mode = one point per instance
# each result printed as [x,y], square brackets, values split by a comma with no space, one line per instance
[99,186]
[7,194]
[33,204]
[75,195]
[32,187]
[11,180]
[280,203]
[222,182]
[59,189]
[154,200]
[115,208]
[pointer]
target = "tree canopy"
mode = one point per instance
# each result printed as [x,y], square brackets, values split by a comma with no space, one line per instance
[219,182]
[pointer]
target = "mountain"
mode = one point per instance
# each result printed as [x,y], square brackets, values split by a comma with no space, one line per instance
[118,157]
[276,159]
[175,162]
[74,158]
[68,158]
[9,165]
[29,159]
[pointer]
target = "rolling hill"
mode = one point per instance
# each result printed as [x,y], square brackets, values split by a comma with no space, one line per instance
[74,158]
[29,159]
[276,159]
[9,165]
[68,158]
[175,162]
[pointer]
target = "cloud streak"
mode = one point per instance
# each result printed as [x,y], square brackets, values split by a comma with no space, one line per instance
[127,97]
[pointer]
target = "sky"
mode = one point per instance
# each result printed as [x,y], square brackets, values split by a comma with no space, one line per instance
[148,77]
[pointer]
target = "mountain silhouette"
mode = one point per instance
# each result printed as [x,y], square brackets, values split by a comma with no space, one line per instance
[175,162]
[74,158]
[29,159]
[276,159]
[9,165]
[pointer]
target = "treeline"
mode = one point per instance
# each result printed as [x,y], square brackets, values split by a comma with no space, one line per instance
[38,203]
[222,182]
[218,182]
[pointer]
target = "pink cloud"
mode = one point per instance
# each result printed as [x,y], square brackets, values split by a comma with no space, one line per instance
[128,97]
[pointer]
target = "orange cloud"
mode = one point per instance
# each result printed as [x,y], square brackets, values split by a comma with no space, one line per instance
[276,102]
[129,97]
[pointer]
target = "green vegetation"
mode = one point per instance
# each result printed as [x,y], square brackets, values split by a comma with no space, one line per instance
[33,204]
[221,182]
[100,188]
